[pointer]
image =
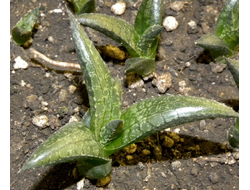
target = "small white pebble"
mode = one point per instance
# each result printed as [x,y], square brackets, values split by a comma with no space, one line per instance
[20,63]
[45,103]
[74,118]
[22,83]
[42,15]
[80,184]
[192,24]
[182,83]
[176,165]
[72,89]
[162,82]
[47,75]
[118,8]
[170,23]
[177,130]
[51,39]
[188,64]
[40,121]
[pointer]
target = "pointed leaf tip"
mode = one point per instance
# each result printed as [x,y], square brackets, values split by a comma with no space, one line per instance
[72,142]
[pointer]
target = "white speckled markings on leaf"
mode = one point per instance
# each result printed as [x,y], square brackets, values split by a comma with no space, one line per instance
[72,142]
[113,27]
[104,93]
[152,115]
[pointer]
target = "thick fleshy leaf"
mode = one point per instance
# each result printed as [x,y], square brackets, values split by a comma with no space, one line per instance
[84,6]
[22,32]
[233,135]
[72,142]
[227,25]
[111,130]
[146,41]
[105,104]
[86,120]
[89,169]
[152,115]
[141,66]
[216,46]
[113,27]
[233,66]
[149,14]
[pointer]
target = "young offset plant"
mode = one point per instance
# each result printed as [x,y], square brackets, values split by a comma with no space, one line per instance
[22,31]
[106,128]
[140,40]
[224,46]
[225,40]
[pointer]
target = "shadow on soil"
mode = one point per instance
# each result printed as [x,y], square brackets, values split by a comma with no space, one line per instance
[61,176]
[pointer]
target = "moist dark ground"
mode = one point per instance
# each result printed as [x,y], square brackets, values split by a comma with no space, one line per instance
[200,157]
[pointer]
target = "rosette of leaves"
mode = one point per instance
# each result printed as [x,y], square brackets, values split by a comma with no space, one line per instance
[225,40]
[140,40]
[106,128]
[22,31]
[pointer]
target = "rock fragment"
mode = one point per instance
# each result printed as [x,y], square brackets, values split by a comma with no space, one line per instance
[170,23]
[118,8]
[41,121]
[20,63]
[162,82]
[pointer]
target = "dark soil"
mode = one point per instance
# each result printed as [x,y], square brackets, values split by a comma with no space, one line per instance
[194,156]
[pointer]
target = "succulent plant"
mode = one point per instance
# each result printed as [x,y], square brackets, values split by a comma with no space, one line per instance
[140,40]
[225,40]
[22,31]
[106,128]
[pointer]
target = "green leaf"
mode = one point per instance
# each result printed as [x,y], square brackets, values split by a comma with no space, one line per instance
[84,6]
[233,135]
[216,46]
[113,27]
[141,66]
[93,171]
[86,120]
[110,131]
[22,32]
[72,142]
[105,104]
[233,66]
[149,14]
[146,41]
[152,115]
[227,25]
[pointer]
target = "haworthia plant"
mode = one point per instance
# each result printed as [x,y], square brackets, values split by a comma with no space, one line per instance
[140,40]
[225,40]
[223,45]
[22,31]
[106,128]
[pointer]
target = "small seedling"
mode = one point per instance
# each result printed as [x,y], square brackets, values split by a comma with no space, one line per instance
[140,40]
[225,40]
[22,32]
[106,128]
[223,46]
